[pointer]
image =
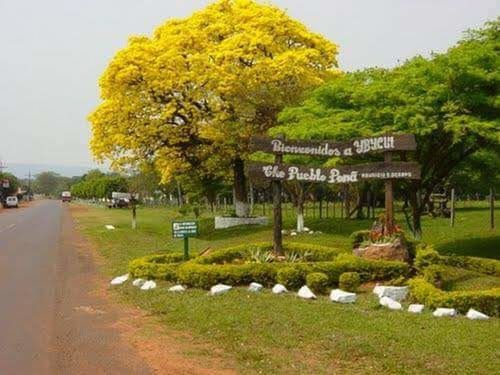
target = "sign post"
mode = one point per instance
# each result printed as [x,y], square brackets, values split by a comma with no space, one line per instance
[185,229]
[277,213]
[388,170]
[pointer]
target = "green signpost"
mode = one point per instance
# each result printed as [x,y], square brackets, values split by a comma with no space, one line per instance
[185,229]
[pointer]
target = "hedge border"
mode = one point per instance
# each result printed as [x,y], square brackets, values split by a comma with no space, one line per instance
[486,301]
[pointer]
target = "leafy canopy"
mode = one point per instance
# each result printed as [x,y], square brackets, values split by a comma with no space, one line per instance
[191,95]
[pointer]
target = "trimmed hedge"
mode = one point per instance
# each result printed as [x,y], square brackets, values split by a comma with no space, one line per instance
[292,275]
[242,252]
[428,256]
[349,281]
[204,276]
[161,267]
[317,281]
[486,301]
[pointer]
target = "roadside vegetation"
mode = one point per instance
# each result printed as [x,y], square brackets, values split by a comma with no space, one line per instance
[268,333]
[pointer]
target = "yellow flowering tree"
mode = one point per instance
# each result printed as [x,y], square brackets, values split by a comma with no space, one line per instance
[189,97]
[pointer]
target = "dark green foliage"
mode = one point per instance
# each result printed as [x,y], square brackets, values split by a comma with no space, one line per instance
[161,267]
[427,256]
[317,281]
[242,253]
[349,281]
[293,277]
[359,237]
[205,276]
[486,301]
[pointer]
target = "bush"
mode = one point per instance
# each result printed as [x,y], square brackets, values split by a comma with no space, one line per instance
[197,274]
[317,281]
[369,270]
[349,281]
[427,256]
[161,267]
[307,252]
[486,301]
[292,277]
[205,276]
[359,237]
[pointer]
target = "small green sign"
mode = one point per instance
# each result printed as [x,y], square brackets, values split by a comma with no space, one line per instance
[182,229]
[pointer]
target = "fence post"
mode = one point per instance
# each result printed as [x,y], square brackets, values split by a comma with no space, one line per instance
[492,208]
[452,213]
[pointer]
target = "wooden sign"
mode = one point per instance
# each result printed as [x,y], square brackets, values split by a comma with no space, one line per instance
[326,148]
[339,175]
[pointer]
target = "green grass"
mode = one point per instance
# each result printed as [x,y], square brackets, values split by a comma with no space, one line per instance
[282,334]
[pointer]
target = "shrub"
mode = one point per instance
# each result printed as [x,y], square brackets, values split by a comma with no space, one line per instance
[292,277]
[369,270]
[317,281]
[349,281]
[427,256]
[204,276]
[293,251]
[359,237]
[161,267]
[486,301]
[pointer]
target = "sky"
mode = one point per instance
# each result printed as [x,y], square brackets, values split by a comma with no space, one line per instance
[52,53]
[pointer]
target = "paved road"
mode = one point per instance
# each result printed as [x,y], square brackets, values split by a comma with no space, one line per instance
[52,321]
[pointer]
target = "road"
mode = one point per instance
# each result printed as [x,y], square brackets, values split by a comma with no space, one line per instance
[52,320]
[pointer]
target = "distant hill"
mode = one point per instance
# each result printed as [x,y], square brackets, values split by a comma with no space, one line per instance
[21,170]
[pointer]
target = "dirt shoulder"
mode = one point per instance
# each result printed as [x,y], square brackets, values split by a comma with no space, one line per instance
[160,350]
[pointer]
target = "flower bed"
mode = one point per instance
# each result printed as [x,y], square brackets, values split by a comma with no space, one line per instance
[236,266]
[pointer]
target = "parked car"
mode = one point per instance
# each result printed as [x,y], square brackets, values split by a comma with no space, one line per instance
[11,201]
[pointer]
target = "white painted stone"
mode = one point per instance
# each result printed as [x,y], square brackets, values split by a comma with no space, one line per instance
[219,289]
[311,232]
[109,227]
[441,311]
[222,222]
[150,284]
[138,282]
[176,288]
[476,315]
[394,305]
[384,301]
[306,293]
[397,293]
[255,287]
[119,280]
[293,233]
[284,232]
[306,229]
[377,289]
[415,308]
[338,295]
[278,289]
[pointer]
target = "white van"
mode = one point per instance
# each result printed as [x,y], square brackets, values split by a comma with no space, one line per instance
[11,201]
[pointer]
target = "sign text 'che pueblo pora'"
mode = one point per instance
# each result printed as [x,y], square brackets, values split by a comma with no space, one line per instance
[338,175]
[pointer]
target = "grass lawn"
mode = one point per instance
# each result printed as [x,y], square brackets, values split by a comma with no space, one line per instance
[282,334]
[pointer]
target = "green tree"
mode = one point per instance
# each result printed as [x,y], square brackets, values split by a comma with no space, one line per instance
[13,183]
[449,101]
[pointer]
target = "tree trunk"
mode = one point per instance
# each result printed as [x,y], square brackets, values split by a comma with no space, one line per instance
[300,215]
[134,216]
[241,205]
[416,212]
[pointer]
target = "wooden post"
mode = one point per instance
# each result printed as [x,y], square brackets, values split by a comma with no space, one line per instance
[492,208]
[389,200]
[278,219]
[452,210]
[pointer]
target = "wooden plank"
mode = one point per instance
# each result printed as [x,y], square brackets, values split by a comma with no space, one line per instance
[330,148]
[339,175]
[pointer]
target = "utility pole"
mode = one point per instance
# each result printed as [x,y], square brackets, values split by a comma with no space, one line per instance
[29,184]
